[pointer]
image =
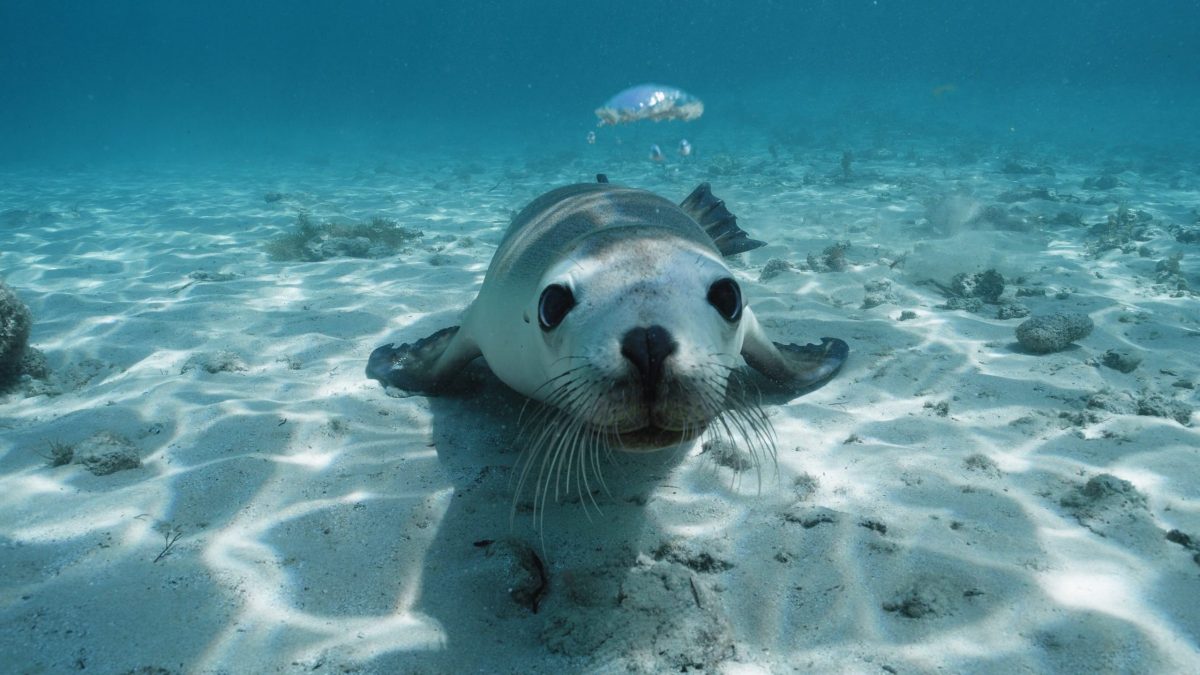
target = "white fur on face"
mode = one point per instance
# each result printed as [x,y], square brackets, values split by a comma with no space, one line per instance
[594,400]
[650,282]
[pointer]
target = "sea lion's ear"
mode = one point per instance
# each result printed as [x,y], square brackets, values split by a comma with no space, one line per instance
[718,222]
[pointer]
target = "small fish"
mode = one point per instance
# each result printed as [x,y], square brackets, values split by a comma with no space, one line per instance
[656,154]
[685,148]
[591,138]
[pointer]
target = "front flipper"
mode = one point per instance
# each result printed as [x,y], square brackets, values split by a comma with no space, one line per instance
[795,369]
[427,366]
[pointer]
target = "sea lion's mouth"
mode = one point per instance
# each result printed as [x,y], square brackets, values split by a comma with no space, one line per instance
[650,438]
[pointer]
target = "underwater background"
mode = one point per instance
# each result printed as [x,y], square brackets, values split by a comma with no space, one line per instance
[211,214]
[180,82]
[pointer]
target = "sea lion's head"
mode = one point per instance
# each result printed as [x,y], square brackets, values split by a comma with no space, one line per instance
[639,334]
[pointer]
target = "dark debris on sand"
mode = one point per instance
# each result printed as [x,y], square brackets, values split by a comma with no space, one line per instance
[972,291]
[832,259]
[1100,494]
[1124,230]
[310,242]
[106,453]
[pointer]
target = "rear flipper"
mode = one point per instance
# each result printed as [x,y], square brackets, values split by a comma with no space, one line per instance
[427,366]
[795,369]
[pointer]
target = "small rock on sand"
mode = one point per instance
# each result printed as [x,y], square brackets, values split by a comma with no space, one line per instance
[1046,334]
[1122,360]
[105,453]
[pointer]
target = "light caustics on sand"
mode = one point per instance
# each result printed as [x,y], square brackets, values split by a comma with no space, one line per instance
[242,552]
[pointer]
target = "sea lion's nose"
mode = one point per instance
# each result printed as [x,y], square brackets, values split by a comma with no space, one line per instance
[646,349]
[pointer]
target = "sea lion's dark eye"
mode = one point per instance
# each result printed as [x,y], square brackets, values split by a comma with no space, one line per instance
[553,306]
[726,297]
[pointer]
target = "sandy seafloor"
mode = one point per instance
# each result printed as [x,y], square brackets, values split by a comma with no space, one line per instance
[931,509]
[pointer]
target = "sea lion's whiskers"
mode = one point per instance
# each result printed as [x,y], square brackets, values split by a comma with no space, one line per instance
[565,373]
[753,407]
[548,410]
[553,406]
[738,412]
[721,430]
[541,491]
[567,457]
[562,390]
[712,406]
[563,424]
[550,437]
[529,456]
[581,451]
[567,447]
[568,357]
[597,440]
[538,444]
[604,443]
[590,452]
[576,467]
[575,461]
[760,437]
[531,426]
[553,422]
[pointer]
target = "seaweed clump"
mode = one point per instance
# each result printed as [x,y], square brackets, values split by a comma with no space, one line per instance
[1188,234]
[774,268]
[987,285]
[1169,272]
[312,242]
[1121,230]
[832,259]
[61,453]
[15,321]
[1102,182]
[971,291]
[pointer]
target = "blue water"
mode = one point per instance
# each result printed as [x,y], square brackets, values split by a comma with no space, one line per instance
[134,81]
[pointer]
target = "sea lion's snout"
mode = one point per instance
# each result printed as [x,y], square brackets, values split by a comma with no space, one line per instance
[647,349]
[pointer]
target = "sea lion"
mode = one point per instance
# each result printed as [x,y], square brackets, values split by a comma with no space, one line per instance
[613,307]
